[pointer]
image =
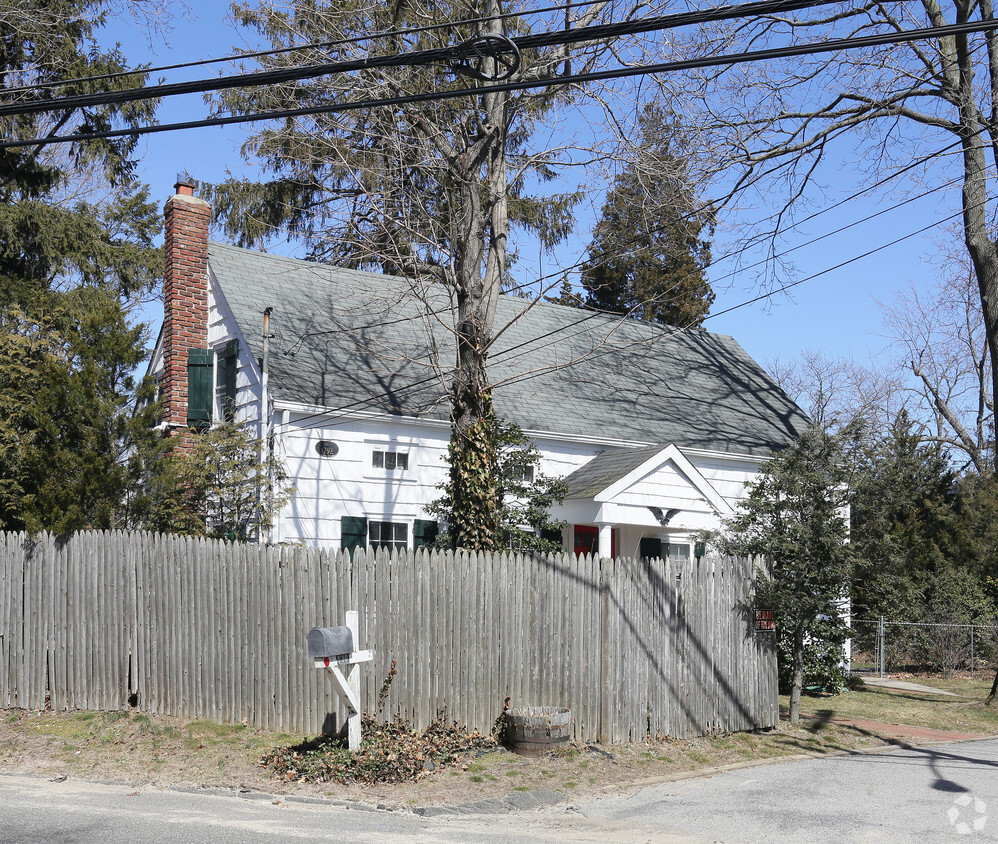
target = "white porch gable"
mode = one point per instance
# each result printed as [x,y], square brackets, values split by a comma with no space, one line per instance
[648,492]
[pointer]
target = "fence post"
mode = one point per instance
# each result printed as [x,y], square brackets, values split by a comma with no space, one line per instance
[605,698]
[972,629]
[882,645]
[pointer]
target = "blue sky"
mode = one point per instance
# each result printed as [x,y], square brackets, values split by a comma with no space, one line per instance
[835,312]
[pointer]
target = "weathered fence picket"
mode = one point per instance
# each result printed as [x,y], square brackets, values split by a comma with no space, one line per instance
[207,629]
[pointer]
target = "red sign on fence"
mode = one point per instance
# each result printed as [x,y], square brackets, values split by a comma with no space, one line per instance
[765,620]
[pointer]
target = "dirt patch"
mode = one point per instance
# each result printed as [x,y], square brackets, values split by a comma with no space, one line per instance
[139,750]
[901,731]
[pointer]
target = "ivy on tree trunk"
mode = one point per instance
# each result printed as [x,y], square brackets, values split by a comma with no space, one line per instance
[474,477]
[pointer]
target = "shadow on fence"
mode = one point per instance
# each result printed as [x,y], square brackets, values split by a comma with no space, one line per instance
[206,629]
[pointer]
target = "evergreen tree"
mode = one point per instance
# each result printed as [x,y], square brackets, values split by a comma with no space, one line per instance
[66,384]
[76,251]
[649,249]
[902,492]
[793,519]
[975,544]
[924,541]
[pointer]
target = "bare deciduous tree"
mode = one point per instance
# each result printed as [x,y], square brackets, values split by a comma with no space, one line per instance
[942,342]
[430,190]
[925,109]
[837,392]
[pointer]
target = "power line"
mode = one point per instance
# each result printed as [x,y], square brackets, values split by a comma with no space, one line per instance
[847,226]
[838,266]
[823,47]
[564,271]
[667,333]
[320,45]
[438,55]
[524,85]
[594,313]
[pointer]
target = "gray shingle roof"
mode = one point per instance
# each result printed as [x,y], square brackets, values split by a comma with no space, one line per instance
[606,469]
[350,339]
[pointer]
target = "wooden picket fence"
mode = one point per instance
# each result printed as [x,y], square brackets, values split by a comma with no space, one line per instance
[207,629]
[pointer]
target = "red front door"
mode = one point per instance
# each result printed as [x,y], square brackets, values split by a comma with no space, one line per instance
[587,540]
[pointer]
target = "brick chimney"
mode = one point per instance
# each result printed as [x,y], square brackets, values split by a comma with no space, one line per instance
[185,288]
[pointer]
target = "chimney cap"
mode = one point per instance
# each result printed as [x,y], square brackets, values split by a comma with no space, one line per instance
[185,184]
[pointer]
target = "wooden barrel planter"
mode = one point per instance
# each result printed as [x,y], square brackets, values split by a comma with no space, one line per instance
[534,730]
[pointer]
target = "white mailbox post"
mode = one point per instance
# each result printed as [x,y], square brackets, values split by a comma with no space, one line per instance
[335,650]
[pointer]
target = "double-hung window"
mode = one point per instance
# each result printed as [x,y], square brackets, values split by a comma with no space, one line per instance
[390,460]
[390,535]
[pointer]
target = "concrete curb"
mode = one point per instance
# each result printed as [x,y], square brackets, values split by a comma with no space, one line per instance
[525,800]
[517,801]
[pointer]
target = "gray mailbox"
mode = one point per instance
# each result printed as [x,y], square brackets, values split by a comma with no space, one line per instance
[334,650]
[329,642]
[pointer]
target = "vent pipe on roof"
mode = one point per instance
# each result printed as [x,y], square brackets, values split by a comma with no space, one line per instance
[264,372]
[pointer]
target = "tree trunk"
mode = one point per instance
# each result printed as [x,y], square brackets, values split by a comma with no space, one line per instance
[994,691]
[981,247]
[480,266]
[473,475]
[797,683]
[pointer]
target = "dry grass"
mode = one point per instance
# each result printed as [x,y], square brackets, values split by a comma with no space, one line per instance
[965,713]
[139,749]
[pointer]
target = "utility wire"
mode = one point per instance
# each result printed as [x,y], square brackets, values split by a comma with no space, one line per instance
[563,272]
[666,334]
[593,312]
[593,315]
[838,266]
[733,59]
[524,85]
[439,55]
[320,45]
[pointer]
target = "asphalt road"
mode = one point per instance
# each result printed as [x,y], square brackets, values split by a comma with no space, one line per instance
[939,793]
[943,792]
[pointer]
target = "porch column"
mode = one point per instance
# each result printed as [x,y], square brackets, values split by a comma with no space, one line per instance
[605,539]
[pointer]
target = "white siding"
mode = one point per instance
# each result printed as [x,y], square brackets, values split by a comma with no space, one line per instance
[665,484]
[347,484]
[728,475]
[222,327]
[327,488]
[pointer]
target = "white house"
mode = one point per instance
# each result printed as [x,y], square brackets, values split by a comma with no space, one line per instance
[655,430]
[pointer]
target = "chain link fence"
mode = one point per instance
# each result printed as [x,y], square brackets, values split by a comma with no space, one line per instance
[887,647]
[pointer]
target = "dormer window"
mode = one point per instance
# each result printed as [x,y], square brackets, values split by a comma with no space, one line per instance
[391,460]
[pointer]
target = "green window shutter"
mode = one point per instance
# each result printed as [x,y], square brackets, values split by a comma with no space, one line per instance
[651,546]
[424,532]
[227,373]
[200,363]
[552,535]
[353,533]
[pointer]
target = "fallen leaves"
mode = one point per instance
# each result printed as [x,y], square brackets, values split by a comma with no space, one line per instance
[393,751]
